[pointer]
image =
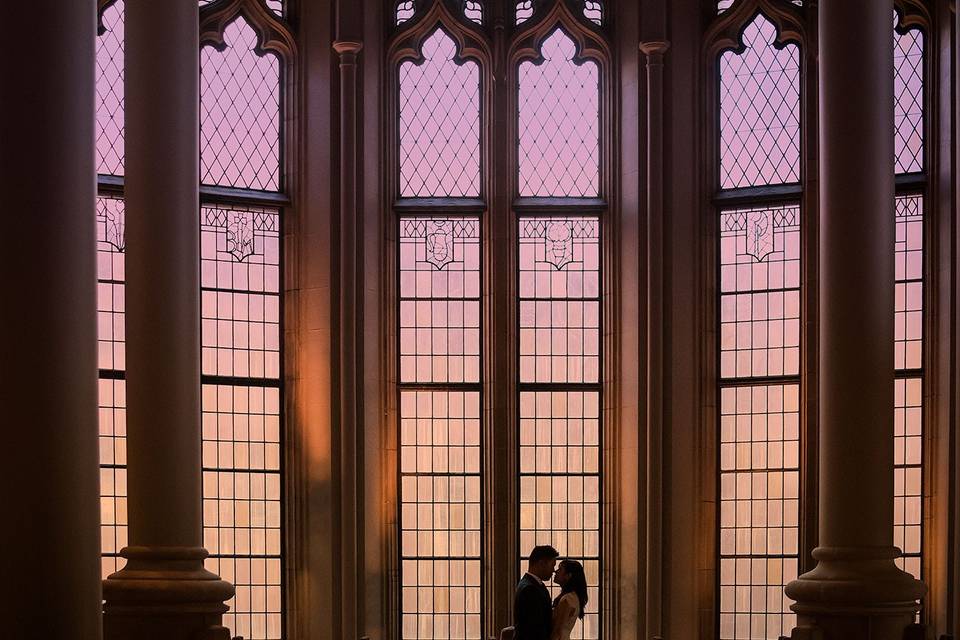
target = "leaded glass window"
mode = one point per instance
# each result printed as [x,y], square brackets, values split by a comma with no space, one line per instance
[109,78]
[240,112]
[909,312]
[560,394]
[545,267]
[241,314]
[559,122]
[759,348]
[439,339]
[241,252]
[439,122]
[760,110]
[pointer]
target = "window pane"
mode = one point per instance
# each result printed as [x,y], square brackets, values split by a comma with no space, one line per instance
[908,472]
[559,300]
[439,122]
[241,502]
[242,473]
[440,300]
[760,111]
[908,391]
[908,325]
[759,509]
[440,514]
[760,292]
[109,129]
[240,292]
[559,122]
[112,391]
[560,483]
[113,473]
[908,96]
[239,113]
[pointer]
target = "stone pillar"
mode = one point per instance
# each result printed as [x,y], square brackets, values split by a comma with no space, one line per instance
[164,591]
[351,325]
[48,368]
[856,591]
[656,335]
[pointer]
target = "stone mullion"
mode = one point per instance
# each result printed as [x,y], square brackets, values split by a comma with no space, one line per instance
[500,358]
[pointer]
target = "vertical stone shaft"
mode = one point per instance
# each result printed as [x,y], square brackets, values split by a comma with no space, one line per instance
[351,321]
[856,262]
[163,591]
[856,590]
[163,271]
[654,52]
[48,370]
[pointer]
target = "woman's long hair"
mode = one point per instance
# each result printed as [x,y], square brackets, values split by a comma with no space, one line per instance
[577,583]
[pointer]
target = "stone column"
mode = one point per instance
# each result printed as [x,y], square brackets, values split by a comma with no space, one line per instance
[856,591]
[656,334]
[351,324]
[48,369]
[164,591]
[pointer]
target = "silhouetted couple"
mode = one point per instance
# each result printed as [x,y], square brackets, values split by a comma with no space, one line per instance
[535,617]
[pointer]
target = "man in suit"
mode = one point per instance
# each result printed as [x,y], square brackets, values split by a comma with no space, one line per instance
[532,608]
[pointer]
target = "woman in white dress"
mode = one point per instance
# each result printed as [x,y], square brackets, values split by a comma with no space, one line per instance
[568,607]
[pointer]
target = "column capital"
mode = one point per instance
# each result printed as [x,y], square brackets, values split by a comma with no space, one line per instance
[654,48]
[347,50]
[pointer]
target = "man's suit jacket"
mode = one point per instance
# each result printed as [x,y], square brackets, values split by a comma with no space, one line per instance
[532,610]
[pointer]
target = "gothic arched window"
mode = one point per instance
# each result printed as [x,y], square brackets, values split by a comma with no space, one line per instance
[246,51]
[767,518]
[756,68]
[518,382]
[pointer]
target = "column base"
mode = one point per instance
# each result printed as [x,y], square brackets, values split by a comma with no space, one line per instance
[165,593]
[854,593]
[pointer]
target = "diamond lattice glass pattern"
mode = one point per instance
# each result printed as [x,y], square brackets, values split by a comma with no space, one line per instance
[440,514]
[112,389]
[439,300]
[760,292]
[559,122]
[560,300]
[239,113]
[759,509]
[759,111]
[240,339]
[908,100]
[110,92]
[560,483]
[439,122]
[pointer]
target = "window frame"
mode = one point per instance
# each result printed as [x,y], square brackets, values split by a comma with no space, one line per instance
[799,24]
[499,45]
[275,36]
